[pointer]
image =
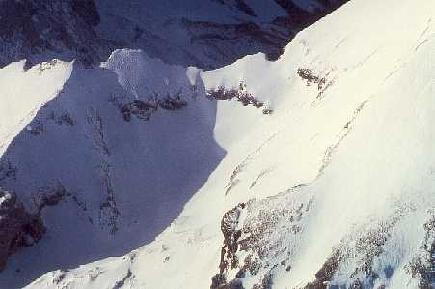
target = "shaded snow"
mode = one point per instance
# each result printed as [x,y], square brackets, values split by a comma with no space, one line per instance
[124,179]
[22,94]
[350,139]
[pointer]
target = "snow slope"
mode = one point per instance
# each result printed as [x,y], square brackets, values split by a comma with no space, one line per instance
[334,189]
[22,96]
[118,151]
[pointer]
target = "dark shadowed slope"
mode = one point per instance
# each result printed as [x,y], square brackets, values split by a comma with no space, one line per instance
[117,168]
[206,34]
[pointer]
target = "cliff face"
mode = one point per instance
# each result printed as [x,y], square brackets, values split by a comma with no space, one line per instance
[42,30]
[217,34]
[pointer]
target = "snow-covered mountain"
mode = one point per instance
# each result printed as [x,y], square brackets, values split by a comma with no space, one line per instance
[106,131]
[312,171]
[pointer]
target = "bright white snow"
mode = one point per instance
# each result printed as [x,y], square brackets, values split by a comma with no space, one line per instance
[24,92]
[351,130]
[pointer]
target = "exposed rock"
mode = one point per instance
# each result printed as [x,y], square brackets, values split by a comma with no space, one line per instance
[18,228]
[231,234]
[361,248]
[321,81]
[143,109]
[50,196]
[422,266]
[326,273]
[62,28]
[40,30]
[249,239]
[240,94]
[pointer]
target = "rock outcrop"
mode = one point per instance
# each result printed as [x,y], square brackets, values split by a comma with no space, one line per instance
[18,228]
